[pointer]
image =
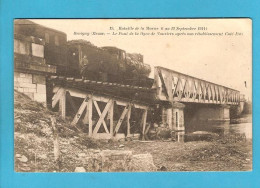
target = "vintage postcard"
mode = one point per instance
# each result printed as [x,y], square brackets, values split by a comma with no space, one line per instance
[132,95]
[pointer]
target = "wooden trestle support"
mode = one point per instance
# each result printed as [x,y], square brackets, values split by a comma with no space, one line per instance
[84,112]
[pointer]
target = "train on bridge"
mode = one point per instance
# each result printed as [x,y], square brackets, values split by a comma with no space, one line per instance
[109,90]
[80,58]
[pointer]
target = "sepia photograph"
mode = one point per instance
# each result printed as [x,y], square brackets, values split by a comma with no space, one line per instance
[132,95]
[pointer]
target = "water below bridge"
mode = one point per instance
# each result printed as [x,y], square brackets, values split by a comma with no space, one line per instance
[198,131]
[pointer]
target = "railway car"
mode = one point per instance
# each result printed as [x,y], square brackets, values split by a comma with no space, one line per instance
[55,41]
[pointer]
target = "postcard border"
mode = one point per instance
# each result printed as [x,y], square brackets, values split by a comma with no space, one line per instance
[117,9]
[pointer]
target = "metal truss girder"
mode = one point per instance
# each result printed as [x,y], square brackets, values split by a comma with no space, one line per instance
[178,87]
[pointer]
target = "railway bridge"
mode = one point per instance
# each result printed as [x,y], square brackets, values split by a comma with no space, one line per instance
[108,110]
[197,99]
[112,110]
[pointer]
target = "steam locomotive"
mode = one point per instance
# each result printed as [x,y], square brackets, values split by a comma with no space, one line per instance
[107,64]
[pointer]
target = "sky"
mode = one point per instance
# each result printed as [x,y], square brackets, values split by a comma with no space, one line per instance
[224,59]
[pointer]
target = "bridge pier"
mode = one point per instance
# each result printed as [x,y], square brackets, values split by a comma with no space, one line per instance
[216,113]
[173,116]
[207,112]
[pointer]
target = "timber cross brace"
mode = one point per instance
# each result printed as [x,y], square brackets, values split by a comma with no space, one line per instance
[177,87]
[106,118]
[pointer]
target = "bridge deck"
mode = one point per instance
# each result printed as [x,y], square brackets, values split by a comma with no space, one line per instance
[136,94]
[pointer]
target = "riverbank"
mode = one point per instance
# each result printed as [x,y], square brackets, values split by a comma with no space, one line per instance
[167,156]
[244,118]
[218,155]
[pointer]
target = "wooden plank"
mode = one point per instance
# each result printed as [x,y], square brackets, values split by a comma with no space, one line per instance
[102,117]
[99,113]
[80,94]
[111,117]
[70,79]
[101,98]
[86,118]
[55,89]
[71,102]
[80,111]
[89,111]
[140,106]
[147,129]
[128,121]
[57,97]
[121,103]
[77,93]
[62,105]
[144,120]
[56,92]
[121,119]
